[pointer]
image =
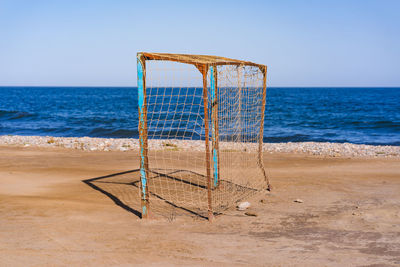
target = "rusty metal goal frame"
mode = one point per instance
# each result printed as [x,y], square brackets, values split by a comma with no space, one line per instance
[206,65]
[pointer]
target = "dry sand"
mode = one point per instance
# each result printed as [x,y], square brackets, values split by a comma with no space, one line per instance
[350,215]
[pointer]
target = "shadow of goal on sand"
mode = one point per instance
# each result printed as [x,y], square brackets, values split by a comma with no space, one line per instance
[172,192]
[112,186]
[124,189]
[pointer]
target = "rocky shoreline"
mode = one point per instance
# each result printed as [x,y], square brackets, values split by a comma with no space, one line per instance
[126,144]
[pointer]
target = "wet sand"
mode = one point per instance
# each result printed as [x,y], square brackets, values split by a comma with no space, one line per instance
[50,216]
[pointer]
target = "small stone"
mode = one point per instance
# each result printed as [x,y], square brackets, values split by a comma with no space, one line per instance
[264,201]
[250,213]
[298,200]
[243,205]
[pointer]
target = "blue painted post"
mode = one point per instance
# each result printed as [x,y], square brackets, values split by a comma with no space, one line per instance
[141,84]
[214,124]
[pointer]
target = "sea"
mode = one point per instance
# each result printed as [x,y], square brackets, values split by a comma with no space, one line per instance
[297,114]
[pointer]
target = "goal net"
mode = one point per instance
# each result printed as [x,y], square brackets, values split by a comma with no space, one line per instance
[201,131]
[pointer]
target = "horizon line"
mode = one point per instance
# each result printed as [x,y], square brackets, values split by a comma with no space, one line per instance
[112,86]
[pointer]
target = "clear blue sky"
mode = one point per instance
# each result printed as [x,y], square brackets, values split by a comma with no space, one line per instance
[304,43]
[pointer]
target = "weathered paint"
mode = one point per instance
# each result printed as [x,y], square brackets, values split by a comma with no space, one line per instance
[207,143]
[140,85]
[144,210]
[213,128]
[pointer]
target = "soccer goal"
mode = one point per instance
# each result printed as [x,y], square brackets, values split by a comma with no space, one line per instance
[201,122]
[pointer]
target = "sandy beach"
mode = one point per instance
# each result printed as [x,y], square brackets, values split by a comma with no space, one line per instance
[50,215]
[199,133]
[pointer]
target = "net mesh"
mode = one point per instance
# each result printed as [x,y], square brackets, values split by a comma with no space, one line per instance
[176,127]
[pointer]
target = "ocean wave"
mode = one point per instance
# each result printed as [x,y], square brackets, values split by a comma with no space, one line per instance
[380,124]
[14,114]
[113,133]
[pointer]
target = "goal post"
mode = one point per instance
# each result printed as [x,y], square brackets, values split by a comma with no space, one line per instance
[144,163]
[186,102]
[214,116]
[207,142]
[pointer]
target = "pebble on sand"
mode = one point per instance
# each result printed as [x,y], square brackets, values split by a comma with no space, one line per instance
[243,205]
[127,144]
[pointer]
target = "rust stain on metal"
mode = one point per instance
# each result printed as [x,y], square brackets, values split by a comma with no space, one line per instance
[261,135]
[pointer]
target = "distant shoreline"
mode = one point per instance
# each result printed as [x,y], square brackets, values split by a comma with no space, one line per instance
[131,144]
[129,87]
